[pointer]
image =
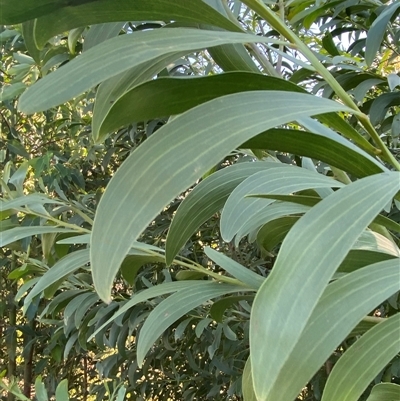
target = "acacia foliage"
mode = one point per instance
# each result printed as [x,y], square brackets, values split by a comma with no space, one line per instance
[274,261]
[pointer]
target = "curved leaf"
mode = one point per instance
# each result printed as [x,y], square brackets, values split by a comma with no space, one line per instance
[332,320]
[239,208]
[113,88]
[99,63]
[246,276]
[385,392]
[174,307]
[362,362]
[169,96]
[145,295]
[101,11]
[206,199]
[174,158]
[377,31]
[62,268]
[14,234]
[247,383]
[339,219]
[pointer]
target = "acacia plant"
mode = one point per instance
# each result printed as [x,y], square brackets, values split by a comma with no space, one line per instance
[248,245]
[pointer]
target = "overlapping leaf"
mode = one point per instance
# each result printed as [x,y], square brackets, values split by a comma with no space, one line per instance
[174,158]
[303,268]
[117,55]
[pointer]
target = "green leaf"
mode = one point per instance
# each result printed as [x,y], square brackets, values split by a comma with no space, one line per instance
[377,31]
[339,220]
[239,209]
[62,268]
[99,63]
[62,391]
[14,13]
[112,89]
[233,58]
[385,392]
[28,200]
[40,390]
[219,307]
[206,199]
[170,96]
[274,232]
[100,33]
[102,11]
[11,91]
[152,292]
[174,307]
[247,383]
[246,276]
[331,321]
[140,189]
[362,362]
[14,234]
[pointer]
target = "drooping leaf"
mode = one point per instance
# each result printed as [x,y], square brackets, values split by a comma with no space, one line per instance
[377,31]
[14,234]
[361,363]
[288,179]
[152,292]
[102,11]
[174,307]
[385,392]
[62,268]
[219,307]
[170,96]
[178,158]
[207,198]
[247,383]
[100,32]
[339,220]
[332,320]
[113,88]
[246,276]
[99,63]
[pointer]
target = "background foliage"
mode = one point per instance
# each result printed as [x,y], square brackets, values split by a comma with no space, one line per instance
[200,200]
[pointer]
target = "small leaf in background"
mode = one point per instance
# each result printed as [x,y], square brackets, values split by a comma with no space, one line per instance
[377,31]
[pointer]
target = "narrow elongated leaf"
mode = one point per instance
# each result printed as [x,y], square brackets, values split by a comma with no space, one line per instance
[247,383]
[246,276]
[219,307]
[312,201]
[101,11]
[62,268]
[14,234]
[28,200]
[62,388]
[385,392]
[274,232]
[336,152]
[207,198]
[239,208]
[361,363]
[113,88]
[377,31]
[233,58]
[152,292]
[339,220]
[364,290]
[174,158]
[101,32]
[170,96]
[174,307]
[117,55]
